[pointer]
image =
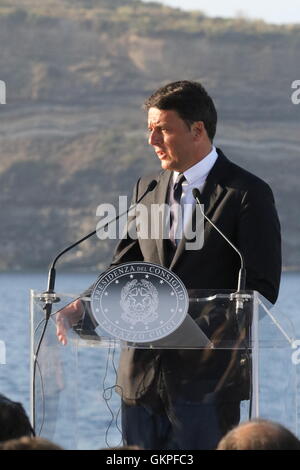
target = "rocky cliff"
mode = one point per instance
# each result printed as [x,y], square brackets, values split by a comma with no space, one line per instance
[73,136]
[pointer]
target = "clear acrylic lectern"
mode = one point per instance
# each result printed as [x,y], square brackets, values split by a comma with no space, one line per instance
[76,400]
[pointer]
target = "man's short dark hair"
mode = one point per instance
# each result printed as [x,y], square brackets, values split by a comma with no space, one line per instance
[259,434]
[190,100]
[14,421]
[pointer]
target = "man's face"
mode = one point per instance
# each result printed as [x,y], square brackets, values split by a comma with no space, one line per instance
[172,140]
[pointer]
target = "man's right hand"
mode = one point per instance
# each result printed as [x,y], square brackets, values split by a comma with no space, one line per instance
[66,318]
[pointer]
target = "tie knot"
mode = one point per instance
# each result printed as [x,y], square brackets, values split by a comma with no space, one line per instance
[180,179]
[177,189]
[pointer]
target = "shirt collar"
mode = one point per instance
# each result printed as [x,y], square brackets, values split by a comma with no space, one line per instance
[200,169]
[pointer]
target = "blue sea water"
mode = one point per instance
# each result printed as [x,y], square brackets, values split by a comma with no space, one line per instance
[92,427]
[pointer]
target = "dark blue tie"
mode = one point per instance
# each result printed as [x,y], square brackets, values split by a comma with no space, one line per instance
[177,192]
[177,188]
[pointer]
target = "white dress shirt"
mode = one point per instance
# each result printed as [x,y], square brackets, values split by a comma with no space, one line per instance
[195,177]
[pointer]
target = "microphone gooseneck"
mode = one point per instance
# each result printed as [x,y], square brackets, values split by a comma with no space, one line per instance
[242,272]
[49,295]
[239,298]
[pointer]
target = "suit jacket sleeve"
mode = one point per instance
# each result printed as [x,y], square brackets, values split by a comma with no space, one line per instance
[127,249]
[259,240]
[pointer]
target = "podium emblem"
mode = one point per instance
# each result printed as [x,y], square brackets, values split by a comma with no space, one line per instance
[139,302]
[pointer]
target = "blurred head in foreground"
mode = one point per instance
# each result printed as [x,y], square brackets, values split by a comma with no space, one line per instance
[29,443]
[259,435]
[14,421]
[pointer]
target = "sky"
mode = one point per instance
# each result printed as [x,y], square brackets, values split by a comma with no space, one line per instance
[271,11]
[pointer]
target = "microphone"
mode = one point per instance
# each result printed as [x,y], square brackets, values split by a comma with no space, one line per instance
[242,272]
[240,298]
[49,296]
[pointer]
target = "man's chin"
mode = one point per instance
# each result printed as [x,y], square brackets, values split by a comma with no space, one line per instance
[166,165]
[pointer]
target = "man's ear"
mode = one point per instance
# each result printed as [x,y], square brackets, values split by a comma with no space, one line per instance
[197,129]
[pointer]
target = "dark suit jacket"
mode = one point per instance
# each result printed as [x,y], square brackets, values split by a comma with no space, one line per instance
[242,206]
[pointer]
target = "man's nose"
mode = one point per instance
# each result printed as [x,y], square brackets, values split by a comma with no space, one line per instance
[155,137]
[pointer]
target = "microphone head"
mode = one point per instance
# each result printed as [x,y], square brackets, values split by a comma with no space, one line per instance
[196,194]
[152,185]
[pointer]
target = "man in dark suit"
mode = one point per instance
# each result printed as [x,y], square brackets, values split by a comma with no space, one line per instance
[172,399]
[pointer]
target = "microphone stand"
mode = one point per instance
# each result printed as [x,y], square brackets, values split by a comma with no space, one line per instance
[239,298]
[49,297]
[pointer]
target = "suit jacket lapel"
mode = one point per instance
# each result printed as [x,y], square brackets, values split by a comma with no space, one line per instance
[160,197]
[211,194]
